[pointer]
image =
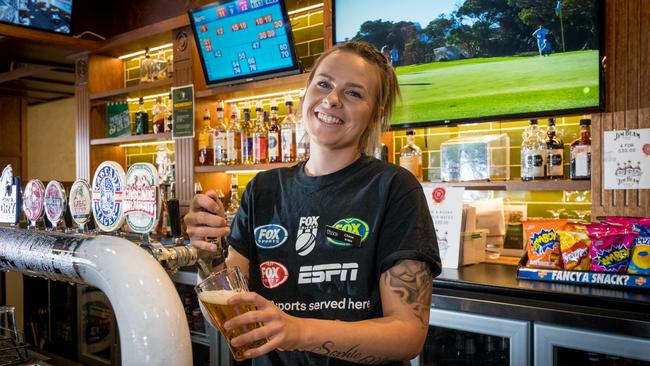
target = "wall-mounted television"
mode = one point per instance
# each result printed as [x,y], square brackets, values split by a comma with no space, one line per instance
[244,40]
[469,61]
[48,15]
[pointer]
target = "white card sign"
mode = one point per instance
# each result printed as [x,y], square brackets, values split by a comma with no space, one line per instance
[446,207]
[626,158]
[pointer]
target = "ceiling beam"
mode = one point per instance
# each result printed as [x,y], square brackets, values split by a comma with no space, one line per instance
[37,90]
[49,81]
[21,72]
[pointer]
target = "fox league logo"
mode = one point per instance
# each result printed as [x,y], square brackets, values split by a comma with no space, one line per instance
[307,232]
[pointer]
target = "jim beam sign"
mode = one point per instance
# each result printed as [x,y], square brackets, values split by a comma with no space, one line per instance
[141,198]
[10,198]
[108,190]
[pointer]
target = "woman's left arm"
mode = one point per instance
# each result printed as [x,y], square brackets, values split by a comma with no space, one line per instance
[398,335]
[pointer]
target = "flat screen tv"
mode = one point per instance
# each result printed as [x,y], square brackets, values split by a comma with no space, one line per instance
[244,40]
[469,60]
[48,15]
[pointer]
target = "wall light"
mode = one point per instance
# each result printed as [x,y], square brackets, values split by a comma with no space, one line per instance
[134,54]
[151,143]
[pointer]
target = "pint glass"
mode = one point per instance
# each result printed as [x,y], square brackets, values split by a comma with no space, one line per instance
[214,293]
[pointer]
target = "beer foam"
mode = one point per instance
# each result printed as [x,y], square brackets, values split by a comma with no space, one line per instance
[216,296]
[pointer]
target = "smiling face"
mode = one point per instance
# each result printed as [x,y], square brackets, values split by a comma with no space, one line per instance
[341,101]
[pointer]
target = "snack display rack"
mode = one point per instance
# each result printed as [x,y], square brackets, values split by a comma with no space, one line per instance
[606,279]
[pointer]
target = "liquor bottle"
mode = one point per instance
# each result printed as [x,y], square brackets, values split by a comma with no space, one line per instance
[147,67]
[141,119]
[205,140]
[288,134]
[410,156]
[580,152]
[169,121]
[260,137]
[302,141]
[554,152]
[233,137]
[158,110]
[246,137]
[274,135]
[532,153]
[381,152]
[219,141]
[233,203]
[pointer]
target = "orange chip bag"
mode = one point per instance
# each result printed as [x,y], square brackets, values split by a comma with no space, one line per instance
[574,242]
[543,242]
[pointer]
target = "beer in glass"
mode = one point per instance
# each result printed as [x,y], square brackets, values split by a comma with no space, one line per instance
[214,293]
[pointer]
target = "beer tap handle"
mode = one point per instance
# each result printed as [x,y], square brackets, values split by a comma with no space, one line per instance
[67,219]
[174,212]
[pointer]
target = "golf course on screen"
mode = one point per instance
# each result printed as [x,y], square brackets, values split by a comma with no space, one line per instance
[496,86]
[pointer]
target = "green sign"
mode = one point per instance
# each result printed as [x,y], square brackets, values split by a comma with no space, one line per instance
[183,111]
[117,116]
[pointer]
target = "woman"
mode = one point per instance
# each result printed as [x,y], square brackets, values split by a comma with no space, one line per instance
[340,250]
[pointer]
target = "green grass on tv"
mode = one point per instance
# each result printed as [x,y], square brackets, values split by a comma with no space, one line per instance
[496,86]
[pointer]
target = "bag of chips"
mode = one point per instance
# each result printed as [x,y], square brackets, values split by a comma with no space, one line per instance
[574,242]
[640,259]
[543,242]
[610,247]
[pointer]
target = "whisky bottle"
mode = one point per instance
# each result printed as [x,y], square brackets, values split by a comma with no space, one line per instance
[554,152]
[234,202]
[141,119]
[147,67]
[302,141]
[219,139]
[246,137]
[205,141]
[580,152]
[260,136]
[288,133]
[158,110]
[274,135]
[169,117]
[533,149]
[410,156]
[233,137]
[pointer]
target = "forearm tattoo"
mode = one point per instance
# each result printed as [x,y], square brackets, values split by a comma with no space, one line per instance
[412,281]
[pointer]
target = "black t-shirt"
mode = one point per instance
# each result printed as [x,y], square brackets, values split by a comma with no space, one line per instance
[281,228]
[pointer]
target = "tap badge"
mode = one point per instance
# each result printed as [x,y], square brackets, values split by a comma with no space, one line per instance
[141,198]
[10,198]
[54,202]
[80,202]
[107,188]
[33,198]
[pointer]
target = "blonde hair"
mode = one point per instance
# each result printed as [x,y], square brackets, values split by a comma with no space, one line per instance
[385,97]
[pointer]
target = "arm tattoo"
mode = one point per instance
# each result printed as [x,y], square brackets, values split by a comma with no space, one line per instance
[412,281]
[352,353]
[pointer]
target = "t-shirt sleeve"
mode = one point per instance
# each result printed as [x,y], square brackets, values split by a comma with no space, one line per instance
[240,238]
[407,232]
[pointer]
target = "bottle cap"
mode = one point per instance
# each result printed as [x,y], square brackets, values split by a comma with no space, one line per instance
[220,106]
[141,101]
[288,100]
[258,105]
[585,122]
[274,104]
[533,121]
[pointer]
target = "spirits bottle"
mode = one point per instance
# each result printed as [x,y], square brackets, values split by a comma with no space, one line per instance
[141,119]
[288,134]
[219,139]
[147,67]
[411,156]
[158,110]
[233,137]
[580,152]
[533,149]
[554,152]
[260,137]
[205,141]
[381,152]
[169,121]
[246,137]
[233,203]
[274,135]
[302,141]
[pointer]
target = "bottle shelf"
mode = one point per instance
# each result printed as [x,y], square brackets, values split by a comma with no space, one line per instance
[135,91]
[132,138]
[251,167]
[519,185]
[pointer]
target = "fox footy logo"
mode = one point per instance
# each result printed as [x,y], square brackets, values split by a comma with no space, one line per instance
[270,236]
[350,225]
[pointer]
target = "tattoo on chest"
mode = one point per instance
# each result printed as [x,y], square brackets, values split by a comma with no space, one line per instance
[412,281]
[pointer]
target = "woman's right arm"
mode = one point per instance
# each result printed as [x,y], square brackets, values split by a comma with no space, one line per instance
[206,220]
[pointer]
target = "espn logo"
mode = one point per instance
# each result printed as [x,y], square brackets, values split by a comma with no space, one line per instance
[327,272]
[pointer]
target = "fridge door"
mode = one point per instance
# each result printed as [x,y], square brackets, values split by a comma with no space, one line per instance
[559,346]
[458,338]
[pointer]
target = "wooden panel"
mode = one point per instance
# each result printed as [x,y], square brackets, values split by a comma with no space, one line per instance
[59,40]
[104,74]
[327,24]
[13,144]
[644,54]
[97,122]
[99,154]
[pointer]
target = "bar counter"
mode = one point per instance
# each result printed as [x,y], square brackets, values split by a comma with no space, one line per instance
[493,289]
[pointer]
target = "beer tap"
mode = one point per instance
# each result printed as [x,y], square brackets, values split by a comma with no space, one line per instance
[206,260]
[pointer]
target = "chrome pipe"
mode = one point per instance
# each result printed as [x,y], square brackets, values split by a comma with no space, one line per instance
[150,317]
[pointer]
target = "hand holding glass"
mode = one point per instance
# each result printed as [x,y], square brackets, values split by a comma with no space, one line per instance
[214,293]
